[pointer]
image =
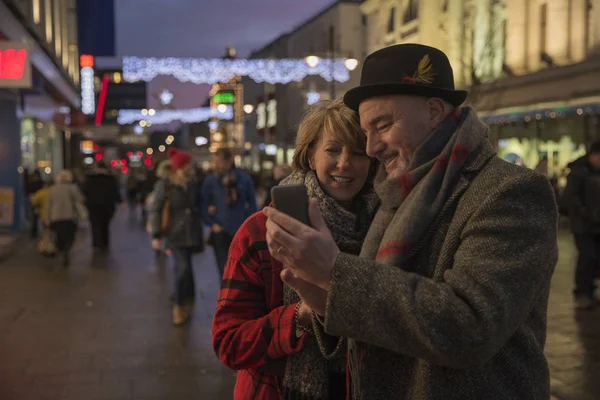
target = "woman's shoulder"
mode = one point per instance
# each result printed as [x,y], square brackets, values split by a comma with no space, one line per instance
[254,228]
[249,244]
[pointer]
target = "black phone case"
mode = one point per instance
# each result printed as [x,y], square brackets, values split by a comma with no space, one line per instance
[291,200]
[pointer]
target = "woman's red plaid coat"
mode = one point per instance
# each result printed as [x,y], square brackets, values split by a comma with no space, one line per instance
[252,331]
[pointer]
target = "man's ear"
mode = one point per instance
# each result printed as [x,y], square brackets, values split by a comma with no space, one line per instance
[437,110]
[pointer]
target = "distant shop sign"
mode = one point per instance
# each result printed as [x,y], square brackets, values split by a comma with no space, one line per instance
[134,140]
[15,65]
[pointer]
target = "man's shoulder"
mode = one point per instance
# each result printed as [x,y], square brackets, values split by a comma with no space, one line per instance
[499,170]
[500,176]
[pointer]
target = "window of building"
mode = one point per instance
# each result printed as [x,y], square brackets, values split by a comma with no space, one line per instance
[57,27]
[392,20]
[543,27]
[411,12]
[35,9]
[48,22]
[504,37]
[444,5]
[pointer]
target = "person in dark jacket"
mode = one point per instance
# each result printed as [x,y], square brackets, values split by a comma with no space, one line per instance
[181,194]
[581,201]
[102,194]
[34,183]
[145,188]
[280,172]
[228,199]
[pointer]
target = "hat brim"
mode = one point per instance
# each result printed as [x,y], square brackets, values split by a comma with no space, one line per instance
[355,96]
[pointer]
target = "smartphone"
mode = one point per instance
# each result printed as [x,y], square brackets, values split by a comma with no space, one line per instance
[291,200]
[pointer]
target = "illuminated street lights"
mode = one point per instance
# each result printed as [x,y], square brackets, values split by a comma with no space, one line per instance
[350,63]
[312,61]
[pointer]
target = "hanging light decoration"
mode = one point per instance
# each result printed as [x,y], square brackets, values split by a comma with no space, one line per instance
[167,116]
[210,71]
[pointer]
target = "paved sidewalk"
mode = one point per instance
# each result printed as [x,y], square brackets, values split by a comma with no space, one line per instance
[573,340]
[101,330]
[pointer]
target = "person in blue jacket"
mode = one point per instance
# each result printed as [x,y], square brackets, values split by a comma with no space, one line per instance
[228,199]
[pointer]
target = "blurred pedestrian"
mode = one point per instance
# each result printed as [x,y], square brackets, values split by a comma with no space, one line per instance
[164,173]
[39,200]
[102,194]
[146,187]
[34,183]
[228,199]
[132,192]
[174,212]
[279,174]
[63,206]
[448,297]
[581,202]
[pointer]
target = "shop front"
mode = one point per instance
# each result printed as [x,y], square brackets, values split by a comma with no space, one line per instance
[41,147]
[552,114]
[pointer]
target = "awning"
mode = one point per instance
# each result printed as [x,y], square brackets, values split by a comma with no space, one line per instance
[569,87]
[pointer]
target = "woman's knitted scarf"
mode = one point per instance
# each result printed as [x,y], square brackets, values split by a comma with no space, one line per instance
[307,371]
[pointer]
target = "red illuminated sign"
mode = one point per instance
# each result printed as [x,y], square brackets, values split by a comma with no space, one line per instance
[86,60]
[12,63]
[15,67]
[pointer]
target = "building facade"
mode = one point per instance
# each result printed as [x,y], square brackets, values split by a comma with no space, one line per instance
[37,103]
[338,31]
[531,66]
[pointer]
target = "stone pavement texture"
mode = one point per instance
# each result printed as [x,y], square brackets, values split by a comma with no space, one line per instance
[100,330]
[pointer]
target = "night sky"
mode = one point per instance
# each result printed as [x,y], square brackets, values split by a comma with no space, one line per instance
[202,28]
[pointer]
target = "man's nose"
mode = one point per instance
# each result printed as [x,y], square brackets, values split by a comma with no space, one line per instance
[374,145]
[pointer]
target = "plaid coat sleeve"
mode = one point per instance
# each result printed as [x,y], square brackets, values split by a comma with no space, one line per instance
[250,326]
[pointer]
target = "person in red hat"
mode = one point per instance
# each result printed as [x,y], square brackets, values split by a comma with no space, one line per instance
[174,213]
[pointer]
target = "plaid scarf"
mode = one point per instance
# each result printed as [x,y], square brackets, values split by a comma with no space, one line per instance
[229,182]
[410,202]
[307,372]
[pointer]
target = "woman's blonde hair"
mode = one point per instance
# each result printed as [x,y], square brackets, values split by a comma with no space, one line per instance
[328,116]
[64,176]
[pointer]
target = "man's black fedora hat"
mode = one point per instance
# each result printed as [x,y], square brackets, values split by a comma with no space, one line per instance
[410,69]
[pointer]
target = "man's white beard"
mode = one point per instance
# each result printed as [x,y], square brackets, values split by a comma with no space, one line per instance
[401,164]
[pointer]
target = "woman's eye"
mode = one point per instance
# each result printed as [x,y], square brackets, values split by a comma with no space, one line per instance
[332,150]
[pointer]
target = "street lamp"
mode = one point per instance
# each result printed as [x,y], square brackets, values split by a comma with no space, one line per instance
[312,61]
[351,63]
[248,108]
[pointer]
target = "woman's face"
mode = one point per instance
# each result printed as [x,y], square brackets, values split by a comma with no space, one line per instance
[188,170]
[341,169]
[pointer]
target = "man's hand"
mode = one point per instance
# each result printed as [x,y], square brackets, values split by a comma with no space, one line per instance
[305,314]
[216,228]
[309,253]
[313,297]
[212,210]
[156,244]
